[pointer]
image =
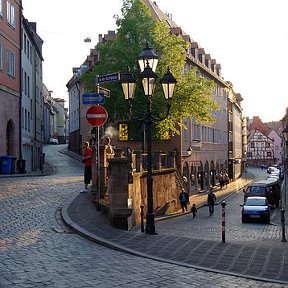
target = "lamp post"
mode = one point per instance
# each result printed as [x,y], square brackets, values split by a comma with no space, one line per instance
[285,158]
[148,61]
[285,136]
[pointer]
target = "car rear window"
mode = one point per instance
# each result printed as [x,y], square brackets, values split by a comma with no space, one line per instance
[256,190]
[255,202]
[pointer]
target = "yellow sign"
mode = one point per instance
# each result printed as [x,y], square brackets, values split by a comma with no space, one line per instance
[123,132]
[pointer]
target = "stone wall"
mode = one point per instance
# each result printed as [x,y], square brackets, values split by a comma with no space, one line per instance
[127,187]
[165,194]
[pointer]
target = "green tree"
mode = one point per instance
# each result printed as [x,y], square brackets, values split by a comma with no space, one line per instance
[192,97]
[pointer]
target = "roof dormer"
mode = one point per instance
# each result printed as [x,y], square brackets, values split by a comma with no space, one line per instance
[194,49]
[201,55]
[208,61]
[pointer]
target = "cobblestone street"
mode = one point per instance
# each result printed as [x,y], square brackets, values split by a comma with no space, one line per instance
[38,250]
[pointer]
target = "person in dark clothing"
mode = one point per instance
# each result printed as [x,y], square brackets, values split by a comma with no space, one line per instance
[194,210]
[211,199]
[221,181]
[184,199]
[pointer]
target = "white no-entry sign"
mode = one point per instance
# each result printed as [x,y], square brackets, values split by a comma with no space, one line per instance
[96,115]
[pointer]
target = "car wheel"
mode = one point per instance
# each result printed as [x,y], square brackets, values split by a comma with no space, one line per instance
[244,219]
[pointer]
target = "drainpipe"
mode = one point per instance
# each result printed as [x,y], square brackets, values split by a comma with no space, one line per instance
[79,116]
[20,75]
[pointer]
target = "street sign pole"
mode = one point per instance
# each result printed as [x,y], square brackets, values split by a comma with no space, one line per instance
[96,160]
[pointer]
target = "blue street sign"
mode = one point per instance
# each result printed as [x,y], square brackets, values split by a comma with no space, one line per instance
[93,99]
[108,78]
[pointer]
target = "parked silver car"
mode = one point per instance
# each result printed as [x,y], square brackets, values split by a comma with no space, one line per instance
[256,208]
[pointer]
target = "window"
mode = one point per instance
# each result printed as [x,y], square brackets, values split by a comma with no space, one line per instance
[25,125]
[22,117]
[28,86]
[25,83]
[252,145]
[196,132]
[25,46]
[11,63]
[11,14]
[30,53]
[28,49]
[28,120]
[1,54]
[269,154]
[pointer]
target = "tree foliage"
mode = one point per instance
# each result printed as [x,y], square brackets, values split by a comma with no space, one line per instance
[192,97]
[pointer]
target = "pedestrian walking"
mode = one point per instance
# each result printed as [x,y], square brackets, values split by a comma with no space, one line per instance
[184,199]
[194,210]
[226,179]
[211,199]
[221,181]
[87,160]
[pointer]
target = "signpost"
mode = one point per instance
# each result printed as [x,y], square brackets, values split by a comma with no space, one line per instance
[93,99]
[96,116]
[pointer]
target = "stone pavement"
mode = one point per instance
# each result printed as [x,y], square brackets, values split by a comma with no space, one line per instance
[264,261]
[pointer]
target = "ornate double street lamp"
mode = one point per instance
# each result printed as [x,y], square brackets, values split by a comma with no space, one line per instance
[148,61]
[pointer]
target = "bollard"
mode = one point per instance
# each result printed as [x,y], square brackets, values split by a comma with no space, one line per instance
[223,204]
[142,217]
[283,225]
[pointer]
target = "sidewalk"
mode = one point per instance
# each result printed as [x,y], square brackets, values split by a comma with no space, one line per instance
[264,261]
[200,199]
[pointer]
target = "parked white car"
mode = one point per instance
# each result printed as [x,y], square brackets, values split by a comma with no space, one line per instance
[53,141]
[273,170]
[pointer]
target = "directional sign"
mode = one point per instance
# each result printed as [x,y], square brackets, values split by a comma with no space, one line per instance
[105,91]
[108,78]
[96,115]
[93,99]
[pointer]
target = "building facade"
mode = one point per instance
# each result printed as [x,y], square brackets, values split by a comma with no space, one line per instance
[206,151]
[272,138]
[10,77]
[32,96]
[61,120]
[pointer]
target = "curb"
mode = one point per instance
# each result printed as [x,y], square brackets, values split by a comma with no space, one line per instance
[48,169]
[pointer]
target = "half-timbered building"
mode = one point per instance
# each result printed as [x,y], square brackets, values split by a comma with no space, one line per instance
[260,149]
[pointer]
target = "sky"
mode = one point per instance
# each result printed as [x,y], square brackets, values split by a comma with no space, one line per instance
[249,38]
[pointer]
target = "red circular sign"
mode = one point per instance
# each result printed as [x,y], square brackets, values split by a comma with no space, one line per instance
[96,115]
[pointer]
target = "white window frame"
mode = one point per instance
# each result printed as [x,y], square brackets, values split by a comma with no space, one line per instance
[11,14]
[11,63]
[1,8]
